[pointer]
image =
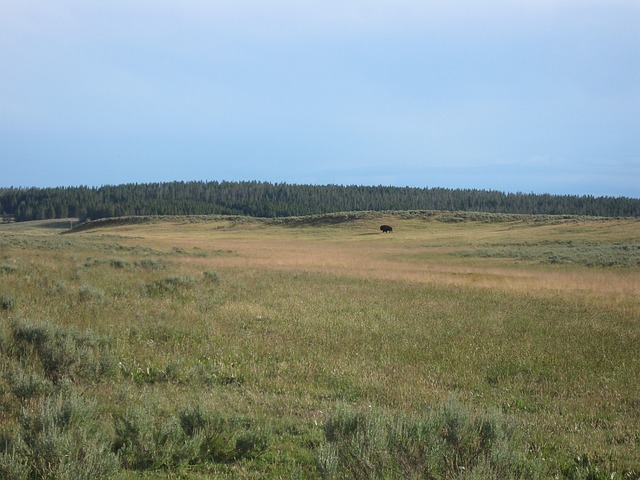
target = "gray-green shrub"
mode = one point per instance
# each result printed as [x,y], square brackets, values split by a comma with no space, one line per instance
[146,440]
[61,438]
[62,352]
[7,303]
[13,464]
[170,284]
[151,264]
[444,443]
[87,294]
[25,385]
[211,276]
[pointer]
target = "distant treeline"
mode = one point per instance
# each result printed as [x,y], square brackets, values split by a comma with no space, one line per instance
[264,199]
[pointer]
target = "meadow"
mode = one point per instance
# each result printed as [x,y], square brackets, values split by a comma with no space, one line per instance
[461,345]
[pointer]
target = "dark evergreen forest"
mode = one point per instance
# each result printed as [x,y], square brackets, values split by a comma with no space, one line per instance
[264,199]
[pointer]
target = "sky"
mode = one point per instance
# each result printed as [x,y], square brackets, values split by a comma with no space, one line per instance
[537,96]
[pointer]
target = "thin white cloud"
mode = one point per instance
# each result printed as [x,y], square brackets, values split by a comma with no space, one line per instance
[286,17]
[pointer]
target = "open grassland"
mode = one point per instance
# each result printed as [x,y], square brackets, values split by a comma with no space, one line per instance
[458,346]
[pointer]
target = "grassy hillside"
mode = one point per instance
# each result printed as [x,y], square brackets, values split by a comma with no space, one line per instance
[229,347]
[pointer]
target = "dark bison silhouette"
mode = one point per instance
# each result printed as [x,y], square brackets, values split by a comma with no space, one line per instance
[386,228]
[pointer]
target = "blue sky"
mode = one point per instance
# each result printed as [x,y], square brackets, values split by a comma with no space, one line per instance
[515,95]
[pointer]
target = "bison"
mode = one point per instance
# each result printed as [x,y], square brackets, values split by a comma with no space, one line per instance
[386,228]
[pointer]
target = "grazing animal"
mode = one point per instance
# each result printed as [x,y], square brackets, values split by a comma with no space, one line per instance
[386,228]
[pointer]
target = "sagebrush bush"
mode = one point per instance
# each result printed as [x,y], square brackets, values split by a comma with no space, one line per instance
[170,284]
[61,438]
[134,439]
[145,440]
[112,262]
[444,443]
[87,294]
[62,352]
[60,287]
[118,263]
[7,303]
[13,464]
[151,264]
[211,276]
[26,385]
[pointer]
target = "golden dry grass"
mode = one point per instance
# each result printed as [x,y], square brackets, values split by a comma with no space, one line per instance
[417,251]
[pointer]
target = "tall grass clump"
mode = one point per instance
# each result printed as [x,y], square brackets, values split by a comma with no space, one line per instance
[447,442]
